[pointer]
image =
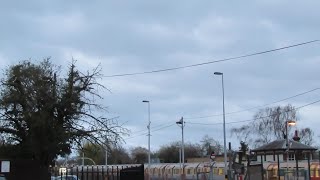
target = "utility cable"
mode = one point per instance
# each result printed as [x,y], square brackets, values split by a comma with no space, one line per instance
[152,127]
[152,131]
[214,61]
[256,107]
[233,122]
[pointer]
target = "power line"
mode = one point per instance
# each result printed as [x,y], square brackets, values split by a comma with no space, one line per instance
[152,131]
[256,107]
[164,127]
[214,61]
[144,134]
[153,127]
[234,122]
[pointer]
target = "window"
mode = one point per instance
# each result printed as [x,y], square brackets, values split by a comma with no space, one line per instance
[291,157]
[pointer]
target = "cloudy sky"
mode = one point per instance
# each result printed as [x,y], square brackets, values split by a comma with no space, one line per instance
[143,35]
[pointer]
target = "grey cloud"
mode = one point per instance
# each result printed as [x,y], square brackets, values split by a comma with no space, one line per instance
[135,36]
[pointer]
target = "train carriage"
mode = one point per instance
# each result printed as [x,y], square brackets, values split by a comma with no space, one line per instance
[190,171]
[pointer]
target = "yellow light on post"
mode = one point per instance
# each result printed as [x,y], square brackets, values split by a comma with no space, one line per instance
[288,123]
[291,123]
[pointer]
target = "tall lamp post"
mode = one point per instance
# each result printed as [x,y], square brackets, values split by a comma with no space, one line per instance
[288,123]
[224,126]
[181,122]
[107,151]
[179,146]
[149,122]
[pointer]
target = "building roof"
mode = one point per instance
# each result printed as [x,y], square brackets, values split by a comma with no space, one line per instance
[280,145]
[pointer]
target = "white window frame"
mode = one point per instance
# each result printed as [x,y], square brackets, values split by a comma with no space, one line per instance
[291,157]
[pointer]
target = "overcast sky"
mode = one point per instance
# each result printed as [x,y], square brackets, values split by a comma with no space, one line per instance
[143,35]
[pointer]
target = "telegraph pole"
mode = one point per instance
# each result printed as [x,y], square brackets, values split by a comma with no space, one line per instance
[181,122]
[149,123]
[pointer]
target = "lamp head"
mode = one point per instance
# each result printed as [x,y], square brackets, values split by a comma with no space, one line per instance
[180,121]
[291,123]
[145,101]
[218,73]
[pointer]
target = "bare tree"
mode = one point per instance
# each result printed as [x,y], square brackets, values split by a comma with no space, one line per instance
[269,124]
[92,151]
[139,155]
[119,155]
[43,114]
[306,136]
[170,153]
[209,144]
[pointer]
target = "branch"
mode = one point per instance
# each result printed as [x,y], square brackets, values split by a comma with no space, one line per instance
[8,130]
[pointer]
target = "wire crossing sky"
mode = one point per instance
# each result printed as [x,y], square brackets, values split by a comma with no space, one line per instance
[256,107]
[268,52]
[215,61]
[211,124]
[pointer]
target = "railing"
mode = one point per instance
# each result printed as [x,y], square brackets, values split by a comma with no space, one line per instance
[287,175]
[88,172]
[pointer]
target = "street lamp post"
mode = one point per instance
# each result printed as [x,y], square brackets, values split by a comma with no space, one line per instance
[181,122]
[224,126]
[179,147]
[149,122]
[106,156]
[288,123]
[106,151]
[82,158]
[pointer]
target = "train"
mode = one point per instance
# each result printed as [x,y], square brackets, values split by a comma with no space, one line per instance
[191,171]
[157,171]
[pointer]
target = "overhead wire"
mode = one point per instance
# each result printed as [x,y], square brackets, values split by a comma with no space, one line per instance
[213,61]
[216,61]
[232,122]
[163,127]
[256,107]
[254,119]
[158,129]
[152,127]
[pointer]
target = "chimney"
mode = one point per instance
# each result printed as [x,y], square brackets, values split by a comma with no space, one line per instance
[296,137]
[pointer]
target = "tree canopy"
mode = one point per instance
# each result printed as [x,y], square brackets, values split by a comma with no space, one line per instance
[209,144]
[139,155]
[44,114]
[270,124]
[92,151]
[170,153]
